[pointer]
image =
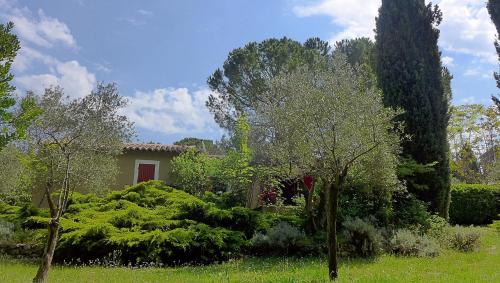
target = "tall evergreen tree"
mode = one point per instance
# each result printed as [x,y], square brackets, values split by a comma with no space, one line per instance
[410,74]
[494,10]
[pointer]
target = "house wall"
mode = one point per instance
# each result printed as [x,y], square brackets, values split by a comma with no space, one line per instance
[126,163]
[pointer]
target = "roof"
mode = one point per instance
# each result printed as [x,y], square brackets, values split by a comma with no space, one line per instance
[155,147]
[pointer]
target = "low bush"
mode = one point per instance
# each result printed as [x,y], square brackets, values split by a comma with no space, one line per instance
[6,230]
[474,204]
[359,200]
[439,229]
[282,239]
[152,223]
[408,211]
[149,222]
[464,239]
[361,238]
[496,224]
[408,243]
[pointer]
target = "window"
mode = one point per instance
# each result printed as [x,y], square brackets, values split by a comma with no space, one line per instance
[146,170]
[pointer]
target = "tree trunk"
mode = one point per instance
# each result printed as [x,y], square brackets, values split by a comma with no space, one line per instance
[311,221]
[43,270]
[333,195]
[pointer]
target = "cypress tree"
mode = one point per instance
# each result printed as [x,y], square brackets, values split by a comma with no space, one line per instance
[410,74]
[494,10]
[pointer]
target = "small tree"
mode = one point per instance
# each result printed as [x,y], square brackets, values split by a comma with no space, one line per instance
[194,171]
[331,122]
[235,170]
[73,144]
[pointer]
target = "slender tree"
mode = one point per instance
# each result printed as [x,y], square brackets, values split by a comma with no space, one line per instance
[330,123]
[494,10]
[410,74]
[73,144]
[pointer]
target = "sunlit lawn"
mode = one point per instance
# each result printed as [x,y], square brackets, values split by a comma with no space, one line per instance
[480,266]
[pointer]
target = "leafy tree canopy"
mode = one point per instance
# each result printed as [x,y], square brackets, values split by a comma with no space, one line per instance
[13,122]
[247,72]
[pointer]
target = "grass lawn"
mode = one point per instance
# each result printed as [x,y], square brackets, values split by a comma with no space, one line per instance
[450,266]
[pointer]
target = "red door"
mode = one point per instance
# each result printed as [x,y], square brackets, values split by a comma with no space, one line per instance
[146,172]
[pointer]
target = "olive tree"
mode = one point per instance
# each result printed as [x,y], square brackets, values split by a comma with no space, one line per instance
[73,145]
[331,122]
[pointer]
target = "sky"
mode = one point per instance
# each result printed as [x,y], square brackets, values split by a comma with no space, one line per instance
[160,53]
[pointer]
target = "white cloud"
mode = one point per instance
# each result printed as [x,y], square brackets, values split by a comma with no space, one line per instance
[75,79]
[478,72]
[171,111]
[468,100]
[145,12]
[355,17]
[448,61]
[40,29]
[466,26]
[37,83]
[37,29]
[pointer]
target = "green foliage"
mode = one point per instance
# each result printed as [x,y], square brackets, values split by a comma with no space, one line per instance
[235,171]
[496,224]
[466,167]
[410,75]
[193,171]
[465,239]
[362,200]
[362,239]
[409,167]
[13,123]
[153,223]
[481,266]
[408,211]
[359,51]
[246,74]
[474,203]
[161,225]
[14,176]
[206,146]
[6,230]
[473,134]
[281,239]
[408,243]
[438,229]
[494,10]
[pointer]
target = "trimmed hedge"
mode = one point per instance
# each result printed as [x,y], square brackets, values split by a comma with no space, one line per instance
[474,204]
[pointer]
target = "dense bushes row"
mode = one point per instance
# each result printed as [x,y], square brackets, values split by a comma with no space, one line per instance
[474,203]
[154,223]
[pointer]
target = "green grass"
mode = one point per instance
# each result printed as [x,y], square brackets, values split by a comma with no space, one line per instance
[450,266]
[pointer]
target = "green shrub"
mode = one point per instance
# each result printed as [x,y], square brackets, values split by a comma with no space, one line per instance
[408,211]
[361,238]
[153,223]
[439,229]
[474,204]
[6,230]
[360,200]
[408,243]
[465,239]
[496,224]
[282,239]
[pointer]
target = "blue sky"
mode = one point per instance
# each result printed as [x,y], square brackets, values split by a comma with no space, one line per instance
[161,52]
